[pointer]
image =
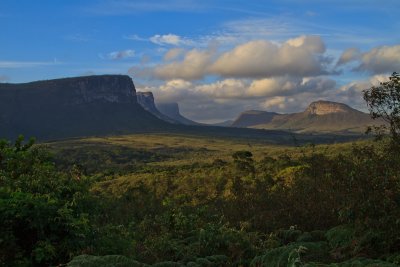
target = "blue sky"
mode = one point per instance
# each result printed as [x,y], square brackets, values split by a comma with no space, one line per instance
[215,58]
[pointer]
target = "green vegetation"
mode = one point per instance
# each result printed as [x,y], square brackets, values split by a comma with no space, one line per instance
[178,200]
[174,201]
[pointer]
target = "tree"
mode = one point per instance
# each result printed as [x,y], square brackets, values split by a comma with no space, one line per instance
[244,162]
[42,222]
[384,103]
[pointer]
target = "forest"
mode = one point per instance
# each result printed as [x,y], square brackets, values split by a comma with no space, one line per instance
[173,201]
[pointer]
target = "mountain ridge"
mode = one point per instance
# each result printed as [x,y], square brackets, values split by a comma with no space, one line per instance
[320,116]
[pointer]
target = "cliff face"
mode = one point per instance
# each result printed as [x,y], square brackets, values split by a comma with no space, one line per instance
[69,92]
[72,107]
[326,107]
[146,100]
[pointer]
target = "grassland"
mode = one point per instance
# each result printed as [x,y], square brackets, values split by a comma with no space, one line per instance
[176,149]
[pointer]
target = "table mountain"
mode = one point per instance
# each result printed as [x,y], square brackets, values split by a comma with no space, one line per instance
[72,107]
[319,116]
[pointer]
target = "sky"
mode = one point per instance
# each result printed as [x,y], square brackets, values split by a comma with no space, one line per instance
[216,58]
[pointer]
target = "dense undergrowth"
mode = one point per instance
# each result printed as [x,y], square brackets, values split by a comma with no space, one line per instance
[315,209]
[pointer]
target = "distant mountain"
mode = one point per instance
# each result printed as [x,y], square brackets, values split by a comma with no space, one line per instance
[253,117]
[227,123]
[172,111]
[72,107]
[107,105]
[146,100]
[320,116]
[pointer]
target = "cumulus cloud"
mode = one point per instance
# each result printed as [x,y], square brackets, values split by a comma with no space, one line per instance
[228,97]
[116,55]
[265,59]
[268,87]
[382,59]
[173,54]
[352,93]
[193,66]
[349,55]
[302,56]
[169,39]
[312,43]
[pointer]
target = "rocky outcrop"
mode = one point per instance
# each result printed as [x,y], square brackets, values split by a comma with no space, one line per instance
[322,107]
[72,107]
[172,111]
[146,100]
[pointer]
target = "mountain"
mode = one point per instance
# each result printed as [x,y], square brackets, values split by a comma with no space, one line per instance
[227,123]
[320,116]
[253,117]
[172,111]
[146,100]
[71,107]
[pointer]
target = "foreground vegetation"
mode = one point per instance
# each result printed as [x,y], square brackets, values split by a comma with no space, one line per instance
[176,201]
[334,205]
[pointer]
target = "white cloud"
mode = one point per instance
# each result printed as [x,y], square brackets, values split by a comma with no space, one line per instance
[303,56]
[225,99]
[382,59]
[121,54]
[262,58]
[193,66]
[170,39]
[312,43]
[349,55]
[173,54]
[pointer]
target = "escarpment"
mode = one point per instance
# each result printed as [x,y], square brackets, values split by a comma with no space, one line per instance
[73,107]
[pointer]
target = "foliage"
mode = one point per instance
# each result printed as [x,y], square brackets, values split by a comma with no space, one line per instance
[384,103]
[230,210]
[41,218]
[290,255]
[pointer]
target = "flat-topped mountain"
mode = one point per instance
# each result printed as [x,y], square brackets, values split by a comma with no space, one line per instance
[320,116]
[69,107]
[322,107]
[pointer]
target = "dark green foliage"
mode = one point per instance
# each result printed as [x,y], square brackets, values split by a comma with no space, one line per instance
[340,236]
[104,261]
[358,262]
[41,211]
[221,213]
[384,103]
[293,254]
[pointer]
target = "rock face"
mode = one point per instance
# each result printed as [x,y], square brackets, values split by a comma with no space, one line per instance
[146,100]
[320,117]
[73,107]
[172,111]
[327,107]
